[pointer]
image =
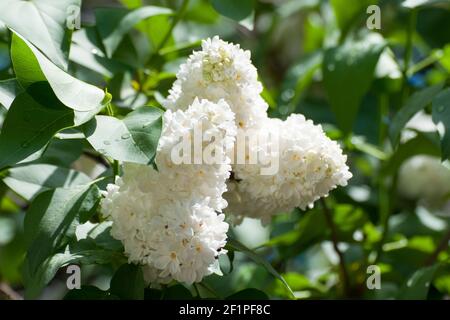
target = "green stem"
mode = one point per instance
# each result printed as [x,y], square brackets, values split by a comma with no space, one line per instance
[345,279]
[175,21]
[434,57]
[383,198]
[115,164]
[443,244]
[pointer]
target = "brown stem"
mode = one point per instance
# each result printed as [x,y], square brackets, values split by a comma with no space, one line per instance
[334,238]
[441,247]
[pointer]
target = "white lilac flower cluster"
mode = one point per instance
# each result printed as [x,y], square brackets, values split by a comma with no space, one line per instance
[166,218]
[170,220]
[310,164]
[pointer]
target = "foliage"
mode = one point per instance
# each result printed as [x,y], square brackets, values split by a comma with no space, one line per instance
[75,104]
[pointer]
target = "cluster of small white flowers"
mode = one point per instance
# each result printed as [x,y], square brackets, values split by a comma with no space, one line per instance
[169,218]
[310,166]
[221,70]
[426,179]
[166,218]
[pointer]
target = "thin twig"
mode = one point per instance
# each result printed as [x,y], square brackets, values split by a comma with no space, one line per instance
[441,247]
[334,238]
[175,21]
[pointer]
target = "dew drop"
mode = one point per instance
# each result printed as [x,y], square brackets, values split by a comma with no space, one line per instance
[106,142]
[126,136]
[102,151]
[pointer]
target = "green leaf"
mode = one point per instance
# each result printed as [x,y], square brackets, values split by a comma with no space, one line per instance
[248,294]
[348,71]
[421,144]
[414,104]
[52,218]
[92,250]
[234,9]
[9,90]
[177,292]
[34,118]
[30,180]
[89,293]
[128,283]
[297,80]
[417,286]
[86,50]
[134,139]
[31,66]
[36,280]
[43,23]
[237,246]
[152,294]
[346,15]
[114,23]
[441,114]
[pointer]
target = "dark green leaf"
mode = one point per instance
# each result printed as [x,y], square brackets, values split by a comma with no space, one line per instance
[414,104]
[177,292]
[30,180]
[237,246]
[52,218]
[152,294]
[114,23]
[346,15]
[234,9]
[134,139]
[128,283]
[88,293]
[248,294]
[441,114]
[423,143]
[33,119]
[417,286]
[347,74]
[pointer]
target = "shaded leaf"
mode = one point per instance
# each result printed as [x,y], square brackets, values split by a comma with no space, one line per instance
[418,285]
[441,114]
[34,118]
[177,292]
[248,294]
[128,283]
[414,104]
[53,216]
[348,71]
[30,180]
[89,293]
[237,246]
[114,23]
[234,9]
